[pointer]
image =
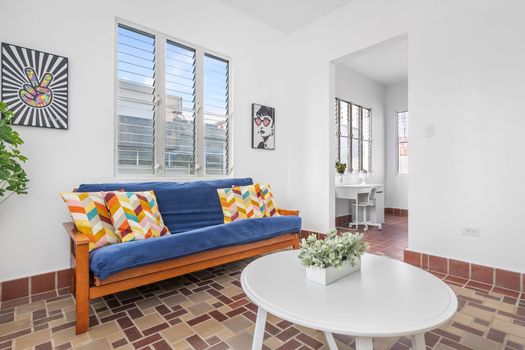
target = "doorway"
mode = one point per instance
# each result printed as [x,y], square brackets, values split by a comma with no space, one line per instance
[371,134]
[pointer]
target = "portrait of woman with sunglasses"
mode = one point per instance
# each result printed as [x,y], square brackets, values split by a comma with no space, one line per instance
[263,129]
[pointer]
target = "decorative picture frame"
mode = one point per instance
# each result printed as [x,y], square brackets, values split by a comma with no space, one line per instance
[35,87]
[263,127]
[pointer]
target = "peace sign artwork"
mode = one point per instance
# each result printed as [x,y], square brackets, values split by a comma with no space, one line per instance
[35,87]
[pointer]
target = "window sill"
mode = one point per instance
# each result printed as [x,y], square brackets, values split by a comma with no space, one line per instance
[185,178]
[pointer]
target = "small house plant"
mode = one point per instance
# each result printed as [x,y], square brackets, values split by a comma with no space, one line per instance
[341,168]
[327,260]
[13,178]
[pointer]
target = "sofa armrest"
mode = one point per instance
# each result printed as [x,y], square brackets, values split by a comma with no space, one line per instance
[79,249]
[287,212]
[76,236]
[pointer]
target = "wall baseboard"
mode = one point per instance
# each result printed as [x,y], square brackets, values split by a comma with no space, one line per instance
[479,276]
[35,287]
[396,211]
[343,220]
[306,233]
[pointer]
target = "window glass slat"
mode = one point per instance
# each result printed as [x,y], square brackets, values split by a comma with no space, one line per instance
[136,110]
[180,135]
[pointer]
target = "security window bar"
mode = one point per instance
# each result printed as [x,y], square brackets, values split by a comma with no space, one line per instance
[173,106]
[402,143]
[354,136]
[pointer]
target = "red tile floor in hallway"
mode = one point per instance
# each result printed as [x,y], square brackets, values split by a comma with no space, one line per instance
[390,241]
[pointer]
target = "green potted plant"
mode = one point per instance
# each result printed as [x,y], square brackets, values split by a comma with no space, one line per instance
[13,178]
[341,168]
[327,260]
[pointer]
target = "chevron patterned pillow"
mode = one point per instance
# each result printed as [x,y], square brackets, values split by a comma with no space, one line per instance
[241,202]
[269,203]
[91,217]
[135,215]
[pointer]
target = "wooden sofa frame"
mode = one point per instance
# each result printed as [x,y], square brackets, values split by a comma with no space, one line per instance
[85,286]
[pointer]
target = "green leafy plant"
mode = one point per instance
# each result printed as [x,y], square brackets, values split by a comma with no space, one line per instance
[13,178]
[340,167]
[333,250]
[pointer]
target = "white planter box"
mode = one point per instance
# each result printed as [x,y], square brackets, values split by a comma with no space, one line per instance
[331,274]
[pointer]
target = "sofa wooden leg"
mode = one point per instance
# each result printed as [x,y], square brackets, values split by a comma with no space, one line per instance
[82,289]
[297,241]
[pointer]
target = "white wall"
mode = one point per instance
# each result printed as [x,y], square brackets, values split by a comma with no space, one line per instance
[32,238]
[467,62]
[466,68]
[310,52]
[356,88]
[396,189]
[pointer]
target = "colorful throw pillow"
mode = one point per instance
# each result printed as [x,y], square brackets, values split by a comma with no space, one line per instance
[269,203]
[241,202]
[91,217]
[135,215]
[228,204]
[249,201]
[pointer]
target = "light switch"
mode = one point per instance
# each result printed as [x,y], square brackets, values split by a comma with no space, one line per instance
[430,130]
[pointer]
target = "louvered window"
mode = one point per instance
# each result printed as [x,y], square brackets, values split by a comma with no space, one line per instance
[216,89]
[354,136]
[402,143]
[136,101]
[180,109]
[173,103]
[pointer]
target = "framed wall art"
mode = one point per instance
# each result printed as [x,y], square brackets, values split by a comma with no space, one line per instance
[35,87]
[263,127]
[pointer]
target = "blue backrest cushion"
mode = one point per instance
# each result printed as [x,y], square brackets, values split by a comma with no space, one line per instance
[184,205]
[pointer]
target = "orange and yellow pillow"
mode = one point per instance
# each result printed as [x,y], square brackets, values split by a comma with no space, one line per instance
[241,202]
[115,217]
[91,217]
[246,202]
[135,215]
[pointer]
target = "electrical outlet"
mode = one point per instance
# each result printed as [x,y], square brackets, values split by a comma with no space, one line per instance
[470,231]
[430,130]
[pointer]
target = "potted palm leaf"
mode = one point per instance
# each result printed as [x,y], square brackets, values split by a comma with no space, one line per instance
[13,178]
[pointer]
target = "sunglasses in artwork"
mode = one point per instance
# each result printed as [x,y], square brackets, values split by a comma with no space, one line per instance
[264,120]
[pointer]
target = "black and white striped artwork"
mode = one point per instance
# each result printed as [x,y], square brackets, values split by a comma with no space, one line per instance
[35,87]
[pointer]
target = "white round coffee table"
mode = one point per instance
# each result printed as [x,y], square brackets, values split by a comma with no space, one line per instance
[386,298]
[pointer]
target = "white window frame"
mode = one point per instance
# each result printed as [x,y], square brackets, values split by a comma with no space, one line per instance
[397,140]
[160,111]
[360,137]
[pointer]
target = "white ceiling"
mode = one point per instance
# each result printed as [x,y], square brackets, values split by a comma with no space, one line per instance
[286,15]
[386,64]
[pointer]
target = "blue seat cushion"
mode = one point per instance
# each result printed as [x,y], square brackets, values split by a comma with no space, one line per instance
[114,258]
[184,206]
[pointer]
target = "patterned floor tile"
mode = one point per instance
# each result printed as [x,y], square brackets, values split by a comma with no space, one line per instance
[208,311]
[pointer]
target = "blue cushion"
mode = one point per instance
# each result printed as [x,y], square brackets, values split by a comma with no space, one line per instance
[114,258]
[184,206]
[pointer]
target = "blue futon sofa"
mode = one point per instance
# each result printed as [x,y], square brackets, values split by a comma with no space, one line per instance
[199,239]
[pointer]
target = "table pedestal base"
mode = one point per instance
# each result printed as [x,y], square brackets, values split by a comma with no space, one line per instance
[361,343]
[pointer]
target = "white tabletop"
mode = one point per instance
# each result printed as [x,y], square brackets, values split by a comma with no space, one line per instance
[386,298]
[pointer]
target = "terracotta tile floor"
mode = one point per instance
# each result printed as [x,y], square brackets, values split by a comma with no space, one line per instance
[391,240]
[207,310]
